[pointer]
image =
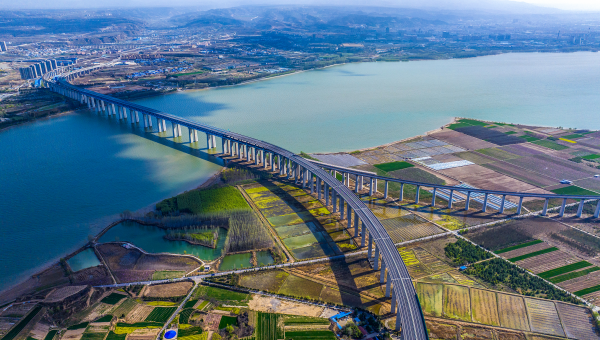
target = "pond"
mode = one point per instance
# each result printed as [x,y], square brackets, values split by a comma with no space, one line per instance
[150,239]
[83,260]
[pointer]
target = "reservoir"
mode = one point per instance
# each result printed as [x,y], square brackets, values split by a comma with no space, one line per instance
[67,177]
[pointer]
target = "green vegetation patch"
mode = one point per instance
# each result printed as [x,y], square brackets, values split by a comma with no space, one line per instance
[113,299]
[465,123]
[161,314]
[51,335]
[463,252]
[93,336]
[220,294]
[573,190]
[590,157]
[184,316]
[189,332]
[564,269]
[106,318]
[587,290]
[497,271]
[497,153]
[316,334]
[114,336]
[190,303]
[301,287]
[535,253]
[204,201]
[392,166]
[227,320]
[550,144]
[267,327]
[529,138]
[510,132]
[78,326]
[296,320]
[573,275]
[518,246]
[573,136]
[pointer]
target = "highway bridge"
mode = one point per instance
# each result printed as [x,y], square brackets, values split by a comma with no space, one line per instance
[381,248]
[320,179]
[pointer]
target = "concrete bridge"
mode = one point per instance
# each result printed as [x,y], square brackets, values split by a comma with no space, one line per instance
[381,248]
[320,178]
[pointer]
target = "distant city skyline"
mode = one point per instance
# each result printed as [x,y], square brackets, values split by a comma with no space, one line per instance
[572,5]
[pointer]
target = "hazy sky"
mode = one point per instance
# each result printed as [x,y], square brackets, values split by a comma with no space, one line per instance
[575,5]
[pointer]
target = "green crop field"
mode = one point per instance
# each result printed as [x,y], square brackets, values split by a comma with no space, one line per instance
[184,317]
[573,190]
[535,253]
[529,138]
[220,294]
[125,307]
[51,335]
[294,320]
[267,328]
[465,123]
[518,246]
[79,326]
[587,290]
[227,320]
[564,269]
[93,336]
[550,144]
[190,303]
[161,314]
[114,336]
[392,166]
[573,275]
[113,298]
[205,201]
[167,274]
[310,335]
[106,318]
[590,157]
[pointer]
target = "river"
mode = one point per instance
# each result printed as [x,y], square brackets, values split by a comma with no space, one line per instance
[63,178]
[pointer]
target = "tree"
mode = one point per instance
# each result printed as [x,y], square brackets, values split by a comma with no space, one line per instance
[352,330]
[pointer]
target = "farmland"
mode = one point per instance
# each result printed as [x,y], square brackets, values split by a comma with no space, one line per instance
[267,327]
[113,298]
[201,201]
[492,308]
[160,314]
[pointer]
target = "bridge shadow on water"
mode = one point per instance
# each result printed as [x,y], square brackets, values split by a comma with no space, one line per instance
[197,149]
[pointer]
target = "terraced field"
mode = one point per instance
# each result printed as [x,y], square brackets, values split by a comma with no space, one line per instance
[457,303]
[484,306]
[430,296]
[305,226]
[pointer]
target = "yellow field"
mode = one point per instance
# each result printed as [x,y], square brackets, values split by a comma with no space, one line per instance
[457,303]
[512,312]
[484,307]
[408,256]
[462,279]
[430,297]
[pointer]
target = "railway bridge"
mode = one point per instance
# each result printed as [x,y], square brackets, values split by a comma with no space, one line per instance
[319,178]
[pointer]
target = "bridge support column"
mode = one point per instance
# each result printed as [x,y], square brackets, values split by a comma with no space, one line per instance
[580,208]
[520,205]
[175,129]
[349,215]
[103,107]
[214,139]
[264,159]
[562,208]
[545,211]
[502,204]
[401,196]
[376,258]
[341,208]
[137,120]
[388,285]
[597,212]
[360,183]
[319,196]
[125,116]
[363,234]
[375,186]
[93,101]
[371,187]
[114,111]
[385,191]
[418,192]
[356,224]
[451,199]
[398,320]
[248,152]
[382,272]
[356,183]
[326,195]
[370,247]
[468,201]
[89,103]
[485,200]
[311,182]
[433,198]
[158,123]
[334,200]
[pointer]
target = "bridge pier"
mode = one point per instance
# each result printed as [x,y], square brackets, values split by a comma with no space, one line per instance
[326,194]
[382,272]
[385,191]
[450,201]
[545,211]
[371,187]
[334,200]
[562,208]
[341,208]
[401,196]
[597,212]
[356,222]
[468,201]
[433,198]
[580,208]
[502,204]
[485,200]
[418,192]
[520,205]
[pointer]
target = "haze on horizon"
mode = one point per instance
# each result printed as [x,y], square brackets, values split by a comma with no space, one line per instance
[488,5]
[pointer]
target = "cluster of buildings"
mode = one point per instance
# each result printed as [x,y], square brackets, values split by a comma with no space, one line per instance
[37,70]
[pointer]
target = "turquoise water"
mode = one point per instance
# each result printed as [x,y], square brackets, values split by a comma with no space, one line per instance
[67,177]
[236,261]
[85,259]
[151,240]
[264,258]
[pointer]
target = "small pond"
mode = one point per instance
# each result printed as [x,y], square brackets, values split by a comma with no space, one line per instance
[83,260]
